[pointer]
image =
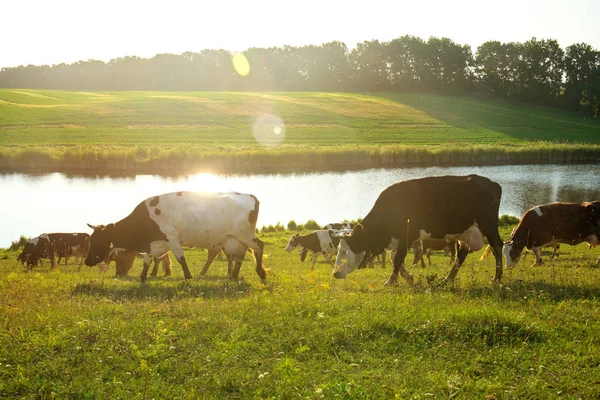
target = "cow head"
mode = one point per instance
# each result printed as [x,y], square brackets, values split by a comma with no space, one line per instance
[512,250]
[100,244]
[293,243]
[349,249]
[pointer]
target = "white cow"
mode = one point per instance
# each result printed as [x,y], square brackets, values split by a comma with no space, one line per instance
[170,221]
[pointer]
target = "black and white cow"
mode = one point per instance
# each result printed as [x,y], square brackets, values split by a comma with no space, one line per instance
[54,245]
[551,224]
[463,208]
[323,241]
[170,221]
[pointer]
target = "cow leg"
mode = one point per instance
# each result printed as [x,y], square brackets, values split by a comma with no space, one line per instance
[460,258]
[229,264]
[314,259]
[236,268]
[155,267]
[428,254]
[328,259]
[538,255]
[177,251]
[212,253]
[147,260]
[399,268]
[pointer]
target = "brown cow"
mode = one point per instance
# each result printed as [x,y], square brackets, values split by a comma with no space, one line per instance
[550,224]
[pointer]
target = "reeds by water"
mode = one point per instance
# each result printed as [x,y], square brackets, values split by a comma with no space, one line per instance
[169,159]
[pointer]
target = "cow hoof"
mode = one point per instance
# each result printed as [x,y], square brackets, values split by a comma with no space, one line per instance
[392,280]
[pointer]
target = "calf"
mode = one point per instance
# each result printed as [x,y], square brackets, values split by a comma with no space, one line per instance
[170,221]
[324,241]
[550,224]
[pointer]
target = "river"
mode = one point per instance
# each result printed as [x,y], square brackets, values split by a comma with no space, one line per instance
[34,204]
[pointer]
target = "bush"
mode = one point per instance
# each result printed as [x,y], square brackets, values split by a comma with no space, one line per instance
[507,220]
[17,244]
[292,226]
[312,225]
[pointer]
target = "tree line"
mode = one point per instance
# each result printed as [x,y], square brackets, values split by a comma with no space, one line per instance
[537,71]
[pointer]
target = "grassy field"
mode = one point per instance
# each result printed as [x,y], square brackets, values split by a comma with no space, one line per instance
[129,130]
[84,334]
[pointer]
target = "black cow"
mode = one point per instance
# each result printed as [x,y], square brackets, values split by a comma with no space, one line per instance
[463,208]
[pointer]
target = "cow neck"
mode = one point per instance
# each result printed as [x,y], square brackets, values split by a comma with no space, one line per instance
[136,231]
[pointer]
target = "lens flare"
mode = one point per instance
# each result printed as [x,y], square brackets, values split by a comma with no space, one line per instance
[269,130]
[240,64]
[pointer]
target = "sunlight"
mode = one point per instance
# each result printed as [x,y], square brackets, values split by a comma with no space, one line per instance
[240,64]
[269,130]
[204,182]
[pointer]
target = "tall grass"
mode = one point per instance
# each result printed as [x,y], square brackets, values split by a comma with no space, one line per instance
[178,159]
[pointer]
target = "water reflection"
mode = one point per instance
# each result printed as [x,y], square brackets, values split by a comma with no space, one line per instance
[32,204]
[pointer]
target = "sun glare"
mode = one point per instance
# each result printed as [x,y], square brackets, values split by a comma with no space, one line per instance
[269,130]
[204,182]
[240,64]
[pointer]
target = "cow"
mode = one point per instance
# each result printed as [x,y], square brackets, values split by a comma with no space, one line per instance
[550,224]
[424,247]
[463,208]
[172,220]
[27,250]
[52,245]
[124,261]
[323,241]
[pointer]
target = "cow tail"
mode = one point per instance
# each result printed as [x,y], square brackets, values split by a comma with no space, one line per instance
[486,252]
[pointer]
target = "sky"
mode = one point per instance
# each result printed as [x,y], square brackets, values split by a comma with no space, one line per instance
[51,32]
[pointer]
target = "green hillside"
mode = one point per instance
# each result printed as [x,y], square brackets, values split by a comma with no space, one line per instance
[215,119]
[156,131]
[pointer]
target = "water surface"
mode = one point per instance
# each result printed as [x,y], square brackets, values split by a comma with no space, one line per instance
[34,204]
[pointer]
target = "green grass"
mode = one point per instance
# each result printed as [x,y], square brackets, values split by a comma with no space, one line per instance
[168,131]
[70,334]
[51,118]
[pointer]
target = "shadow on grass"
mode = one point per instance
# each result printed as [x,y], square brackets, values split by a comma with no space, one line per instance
[520,290]
[163,289]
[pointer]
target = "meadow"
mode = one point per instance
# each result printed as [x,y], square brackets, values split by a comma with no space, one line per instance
[46,130]
[85,334]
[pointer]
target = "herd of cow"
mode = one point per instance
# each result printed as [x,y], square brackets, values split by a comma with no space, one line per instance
[451,213]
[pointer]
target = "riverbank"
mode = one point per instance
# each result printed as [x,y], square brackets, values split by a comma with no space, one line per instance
[189,159]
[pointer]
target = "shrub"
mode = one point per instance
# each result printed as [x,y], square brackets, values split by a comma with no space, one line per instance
[292,226]
[17,244]
[507,220]
[312,225]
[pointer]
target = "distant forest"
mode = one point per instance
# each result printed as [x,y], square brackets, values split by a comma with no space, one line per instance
[537,71]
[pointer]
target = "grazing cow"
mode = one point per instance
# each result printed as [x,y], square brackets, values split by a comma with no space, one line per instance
[424,247]
[51,245]
[124,261]
[27,250]
[463,208]
[324,241]
[170,221]
[550,224]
